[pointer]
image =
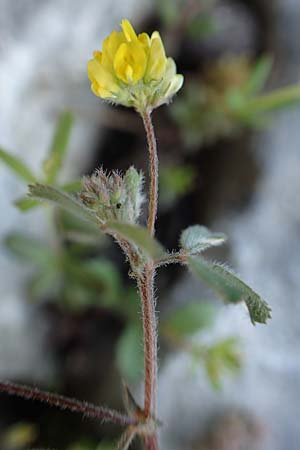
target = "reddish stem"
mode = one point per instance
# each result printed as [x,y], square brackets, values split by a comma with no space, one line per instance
[66,403]
[153,170]
[146,282]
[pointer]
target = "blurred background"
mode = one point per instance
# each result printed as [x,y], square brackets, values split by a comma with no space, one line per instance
[229,153]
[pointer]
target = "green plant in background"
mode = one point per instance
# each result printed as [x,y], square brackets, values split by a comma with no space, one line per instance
[192,18]
[133,70]
[175,182]
[227,99]
[18,436]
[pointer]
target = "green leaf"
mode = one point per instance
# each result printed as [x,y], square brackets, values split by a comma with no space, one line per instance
[106,445]
[19,435]
[222,356]
[63,200]
[58,148]
[72,186]
[29,249]
[98,275]
[25,204]
[17,166]
[189,319]
[196,239]
[129,354]
[259,76]
[168,11]
[138,236]
[231,288]
[202,25]
[45,284]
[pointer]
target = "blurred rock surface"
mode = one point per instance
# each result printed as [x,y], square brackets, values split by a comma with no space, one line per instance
[44,48]
[265,250]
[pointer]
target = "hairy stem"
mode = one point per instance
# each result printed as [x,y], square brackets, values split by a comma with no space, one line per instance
[66,403]
[151,442]
[153,170]
[146,288]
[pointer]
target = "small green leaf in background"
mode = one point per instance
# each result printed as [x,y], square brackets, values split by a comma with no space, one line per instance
[231,288]
[138,236]
[259,76]
[17,166]
[45,284]
[202,25]
[72,186]
[175,181]
[106,445]
[97,276]
[29,249]
[189,319]
[129,354]
[18,436]
[58,148]
[25,204]
[168,10]
[63,200]
[197,238]
[220,357]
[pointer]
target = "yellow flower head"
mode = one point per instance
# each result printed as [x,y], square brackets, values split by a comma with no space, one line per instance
[133,70]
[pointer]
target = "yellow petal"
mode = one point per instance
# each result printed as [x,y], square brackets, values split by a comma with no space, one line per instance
[157,59]
[110,48]
[100,91]
[130,62]
[97,73]
[128,31]
[97,55]
[144,39]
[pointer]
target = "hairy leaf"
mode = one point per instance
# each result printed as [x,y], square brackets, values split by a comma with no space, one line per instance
[231,288]
[63,200]
[139,236]
[17,166]
[196,239]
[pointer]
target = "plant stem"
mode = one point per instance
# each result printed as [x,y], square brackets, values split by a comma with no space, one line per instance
[66,403]
[146,289]
[153,171]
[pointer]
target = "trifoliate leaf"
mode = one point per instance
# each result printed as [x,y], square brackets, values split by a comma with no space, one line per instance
[231,288]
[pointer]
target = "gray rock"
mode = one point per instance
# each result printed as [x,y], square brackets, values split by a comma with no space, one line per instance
[265,242]
[44,48]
